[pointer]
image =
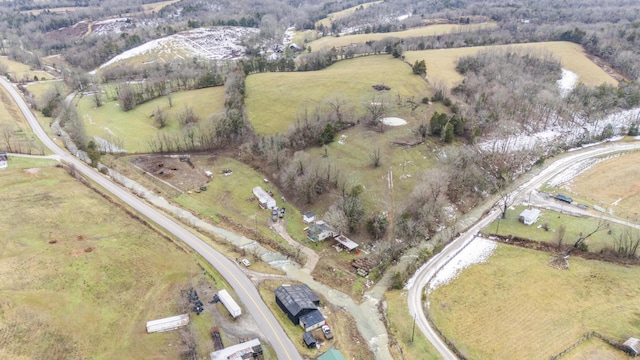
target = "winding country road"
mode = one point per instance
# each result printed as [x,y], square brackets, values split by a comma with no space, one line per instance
[231,271]
[427,272]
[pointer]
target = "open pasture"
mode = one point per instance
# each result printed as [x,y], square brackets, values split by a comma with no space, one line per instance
[515,306]
[574,226]
[22,72]
[136,127]
[613,184]
[431,30]
[326,22]
[274,99]
[441,63]
[15,133]
[79,278]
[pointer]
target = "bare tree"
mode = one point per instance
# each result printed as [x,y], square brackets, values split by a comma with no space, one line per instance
[375,156]
[160,117]
[582,238]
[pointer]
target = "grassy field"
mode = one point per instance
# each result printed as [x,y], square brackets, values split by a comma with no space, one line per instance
[78,277]
[274,99]
[12,123]
[137,126]
[346,12]
[441,64]
[18,71]
[613,184]
[431,30]
[401,325]
[39,89]
[595,348]
[346,336]
[573,225]
[515,306]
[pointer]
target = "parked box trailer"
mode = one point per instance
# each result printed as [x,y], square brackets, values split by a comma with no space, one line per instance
[229,303]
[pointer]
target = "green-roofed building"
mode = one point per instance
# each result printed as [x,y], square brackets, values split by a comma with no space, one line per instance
[331,354]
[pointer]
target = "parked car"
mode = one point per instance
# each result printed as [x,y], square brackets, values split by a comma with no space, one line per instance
[327,332]
[274,211]
[245,262]
[282,212]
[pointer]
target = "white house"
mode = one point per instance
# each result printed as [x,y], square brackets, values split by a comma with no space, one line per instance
[319,231]
[309,217]
[3,160]
[529,216]
[265,200]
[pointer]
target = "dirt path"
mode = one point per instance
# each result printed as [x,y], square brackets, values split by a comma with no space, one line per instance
[312,256]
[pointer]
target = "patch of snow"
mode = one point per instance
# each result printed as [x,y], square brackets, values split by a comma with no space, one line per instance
[393,121]
[403,17]
[106,146]
[342,139]
[567,82]
[478,251]
[576,169]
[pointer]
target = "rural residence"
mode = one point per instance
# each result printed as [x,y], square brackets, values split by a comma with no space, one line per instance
[4,160]
[331,354]
[167,324]
[309,217]
[300,304]
[247,350]
[529,216]
[319,231]
[632,346]
[264,199]
[346,243]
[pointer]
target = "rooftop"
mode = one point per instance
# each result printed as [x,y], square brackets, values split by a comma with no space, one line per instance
[297,298]
[346,242]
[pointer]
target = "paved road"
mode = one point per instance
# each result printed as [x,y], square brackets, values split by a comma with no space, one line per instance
[426,273]
[243,287]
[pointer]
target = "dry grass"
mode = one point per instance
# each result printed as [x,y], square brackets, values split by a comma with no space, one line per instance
[431,30]
[274,99]
[12,123]
[19,72]
[516,306]
[441,64]
[60,300]
[613,184]
[401,326]
[346,12]
[595,348]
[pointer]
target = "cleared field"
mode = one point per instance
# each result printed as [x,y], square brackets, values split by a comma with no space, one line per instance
[346,12]
[595,348]
[136,127]
[573,225]
[413,344]
[78,277]
[21,72]
[441,64]
[515,306]
[15,133]
[614,184]
[274,99]
[39,89]
[431,30]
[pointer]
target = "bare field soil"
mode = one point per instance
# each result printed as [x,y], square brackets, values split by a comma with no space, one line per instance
[441,64]
[516,306]
[613,184]
[170,169]
[346,338]
[79,278]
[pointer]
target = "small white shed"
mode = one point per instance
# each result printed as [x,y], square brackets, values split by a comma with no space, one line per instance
[529,216]
[309,217]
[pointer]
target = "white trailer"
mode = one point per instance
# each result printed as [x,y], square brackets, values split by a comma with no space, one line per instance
[167,324]
[229,303]
[265,200]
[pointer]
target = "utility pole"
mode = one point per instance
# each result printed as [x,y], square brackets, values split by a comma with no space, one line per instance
[413,332]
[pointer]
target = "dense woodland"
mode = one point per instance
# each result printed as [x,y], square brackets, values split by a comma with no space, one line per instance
[502,93]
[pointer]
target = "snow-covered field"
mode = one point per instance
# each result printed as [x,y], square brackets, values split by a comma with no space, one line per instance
[393,121]
[216,43]
[567,82]
[478,251]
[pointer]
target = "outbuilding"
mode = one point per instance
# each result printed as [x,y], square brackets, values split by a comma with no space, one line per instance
[346,243]
[529,216]
[309,340]
[309,217]
[4,160]
[331,354]
[300,304]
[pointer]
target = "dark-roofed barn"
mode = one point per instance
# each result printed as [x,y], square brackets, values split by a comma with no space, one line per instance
[300,304]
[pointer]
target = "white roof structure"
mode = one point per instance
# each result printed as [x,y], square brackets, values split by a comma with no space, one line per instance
[229,303]
[530,216]
[167,324]
[346,242]
[633,345]
[264,198]
[236,351]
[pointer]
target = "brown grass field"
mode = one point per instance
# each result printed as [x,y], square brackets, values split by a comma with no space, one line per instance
[78,277]
[595,348]
[19,137]
[515,306]
[441,64]
[20,72]
[430,30]
[614,184]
